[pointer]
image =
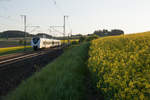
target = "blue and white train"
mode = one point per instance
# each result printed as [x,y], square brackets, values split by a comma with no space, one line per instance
[38,43]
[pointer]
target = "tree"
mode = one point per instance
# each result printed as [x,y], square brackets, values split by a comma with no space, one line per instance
[117,32]
[105,32]
[43,35]
[99,33]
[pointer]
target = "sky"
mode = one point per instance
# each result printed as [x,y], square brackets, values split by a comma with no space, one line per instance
[84,16]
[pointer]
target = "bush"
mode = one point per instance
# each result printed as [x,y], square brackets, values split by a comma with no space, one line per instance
[82,38]
[74,42]
[88,38]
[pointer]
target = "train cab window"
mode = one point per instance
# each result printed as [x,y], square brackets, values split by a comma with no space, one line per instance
[35,40]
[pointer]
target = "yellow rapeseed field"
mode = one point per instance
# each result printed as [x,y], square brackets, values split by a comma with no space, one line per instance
[72,40]
[120,65]
[2,50]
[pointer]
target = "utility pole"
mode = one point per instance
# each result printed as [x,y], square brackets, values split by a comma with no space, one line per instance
[65,24]
[64,27]
[69,36]
[24,18]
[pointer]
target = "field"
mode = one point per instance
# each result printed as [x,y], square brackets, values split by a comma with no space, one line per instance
[120,66]
[14,45]
[13,42]
[71,41]
[10,50]
[115,67]
[63,79]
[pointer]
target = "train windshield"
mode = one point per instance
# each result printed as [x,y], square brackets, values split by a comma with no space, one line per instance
[35,40]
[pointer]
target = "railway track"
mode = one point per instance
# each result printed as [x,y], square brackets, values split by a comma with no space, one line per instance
[22,56]
[14,69]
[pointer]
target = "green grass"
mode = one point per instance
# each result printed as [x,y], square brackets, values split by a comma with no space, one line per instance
[20,50]
[63,79]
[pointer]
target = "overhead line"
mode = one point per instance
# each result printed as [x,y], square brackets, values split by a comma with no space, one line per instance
[58,8]
[8,18]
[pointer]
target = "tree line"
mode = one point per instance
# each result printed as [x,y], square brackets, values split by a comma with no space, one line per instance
[105,32]
[21,34]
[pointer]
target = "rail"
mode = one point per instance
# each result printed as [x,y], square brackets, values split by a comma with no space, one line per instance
[9,61]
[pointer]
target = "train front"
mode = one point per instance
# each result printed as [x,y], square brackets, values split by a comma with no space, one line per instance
[35,43]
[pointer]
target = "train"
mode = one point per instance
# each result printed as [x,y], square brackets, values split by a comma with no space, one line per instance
[38,43]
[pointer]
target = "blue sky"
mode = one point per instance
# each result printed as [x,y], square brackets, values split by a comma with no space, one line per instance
[85,16]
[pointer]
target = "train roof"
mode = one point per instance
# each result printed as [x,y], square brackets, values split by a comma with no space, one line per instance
[45,38]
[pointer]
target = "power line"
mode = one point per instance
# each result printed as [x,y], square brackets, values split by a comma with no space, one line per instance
[58,7]
[10,19]
[54,2]
[62,13]
[35,27]
[56,30]
[64,26]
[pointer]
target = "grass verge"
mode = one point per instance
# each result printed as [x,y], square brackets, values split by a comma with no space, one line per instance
[63,79]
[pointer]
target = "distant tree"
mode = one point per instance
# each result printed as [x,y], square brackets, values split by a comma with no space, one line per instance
[88,38]
[91,37]
[89,34]
[99,33]
[82,38]
[14,34]
[78,35]
[117,32]
[105,32]
[43,35]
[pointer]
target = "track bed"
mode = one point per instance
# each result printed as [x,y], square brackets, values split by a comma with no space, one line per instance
[12,73]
